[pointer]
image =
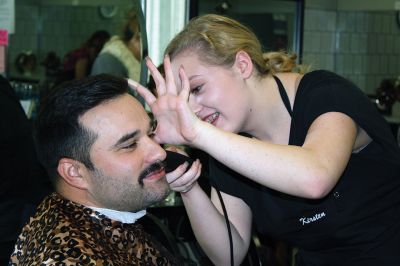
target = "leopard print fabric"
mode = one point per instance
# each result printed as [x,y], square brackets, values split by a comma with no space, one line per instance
[66,233]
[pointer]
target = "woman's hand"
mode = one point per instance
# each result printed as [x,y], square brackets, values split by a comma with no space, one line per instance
[176,123]
[182,180]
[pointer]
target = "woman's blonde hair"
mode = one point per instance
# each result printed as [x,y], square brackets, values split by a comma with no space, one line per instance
[217,39]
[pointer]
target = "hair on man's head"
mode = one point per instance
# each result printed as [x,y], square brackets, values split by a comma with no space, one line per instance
[57,130]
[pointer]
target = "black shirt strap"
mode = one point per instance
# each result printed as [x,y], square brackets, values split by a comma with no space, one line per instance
[284,95]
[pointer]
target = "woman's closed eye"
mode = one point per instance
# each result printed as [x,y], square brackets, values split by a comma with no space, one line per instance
[196,90]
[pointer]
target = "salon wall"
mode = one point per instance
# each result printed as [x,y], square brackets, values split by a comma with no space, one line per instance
[362,45]
[358,39]
[273,21]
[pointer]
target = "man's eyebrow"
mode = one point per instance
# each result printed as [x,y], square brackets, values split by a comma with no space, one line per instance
[126,137]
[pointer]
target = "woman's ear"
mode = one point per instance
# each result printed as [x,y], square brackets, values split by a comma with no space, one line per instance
[244,64]
[73,173]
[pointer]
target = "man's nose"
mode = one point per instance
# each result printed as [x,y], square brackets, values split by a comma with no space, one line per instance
[154,151]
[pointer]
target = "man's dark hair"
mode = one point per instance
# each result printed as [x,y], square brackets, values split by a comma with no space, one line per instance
[58,133]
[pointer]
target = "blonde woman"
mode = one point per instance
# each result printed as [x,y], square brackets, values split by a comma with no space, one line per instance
[317,167]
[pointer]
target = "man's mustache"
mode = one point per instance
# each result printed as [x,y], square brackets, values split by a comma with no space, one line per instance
[155,167]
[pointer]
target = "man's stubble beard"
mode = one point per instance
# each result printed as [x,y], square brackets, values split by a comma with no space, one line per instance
[123,194]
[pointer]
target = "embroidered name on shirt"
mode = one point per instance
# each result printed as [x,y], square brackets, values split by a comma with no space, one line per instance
[307,220]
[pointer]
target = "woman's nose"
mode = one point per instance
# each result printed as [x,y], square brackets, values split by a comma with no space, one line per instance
[194,105]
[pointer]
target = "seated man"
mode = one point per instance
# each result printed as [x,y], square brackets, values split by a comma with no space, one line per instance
[95,141]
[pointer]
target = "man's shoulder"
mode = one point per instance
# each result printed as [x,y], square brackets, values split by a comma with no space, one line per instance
[58,220]
[66,232]
[54,236]
[57,251]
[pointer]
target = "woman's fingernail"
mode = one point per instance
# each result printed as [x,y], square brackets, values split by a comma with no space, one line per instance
[133,83]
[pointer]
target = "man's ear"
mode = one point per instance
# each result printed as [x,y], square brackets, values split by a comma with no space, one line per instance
[73,172]
[244,64]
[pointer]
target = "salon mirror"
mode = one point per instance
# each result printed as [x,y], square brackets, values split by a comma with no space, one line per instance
[49,29]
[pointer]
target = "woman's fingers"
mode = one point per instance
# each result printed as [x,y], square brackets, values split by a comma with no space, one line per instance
[169,76]
[185,189]
[157,139]
[143,91]
[184,94]
[165,84]
[184,184]
[180,177]
[158,78]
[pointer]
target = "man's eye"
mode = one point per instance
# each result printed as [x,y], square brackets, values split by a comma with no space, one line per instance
[130,146]
[152,134]
[153,125]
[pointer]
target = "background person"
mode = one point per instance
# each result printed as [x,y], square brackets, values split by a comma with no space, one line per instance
[318,166]
[95,141]
[121,55]
[78,63]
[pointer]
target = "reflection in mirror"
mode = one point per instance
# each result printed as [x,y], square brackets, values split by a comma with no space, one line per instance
[52,36]
[121,55]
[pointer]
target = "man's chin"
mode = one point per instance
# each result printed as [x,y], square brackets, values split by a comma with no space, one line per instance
[159,194]
[167,191]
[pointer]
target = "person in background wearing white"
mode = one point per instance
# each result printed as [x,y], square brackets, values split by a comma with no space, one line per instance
[121,55]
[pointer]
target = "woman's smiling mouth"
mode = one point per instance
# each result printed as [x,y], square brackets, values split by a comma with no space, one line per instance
[211,118]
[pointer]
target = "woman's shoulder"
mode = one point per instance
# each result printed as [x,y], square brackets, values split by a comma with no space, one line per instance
[325,80]
[321,76]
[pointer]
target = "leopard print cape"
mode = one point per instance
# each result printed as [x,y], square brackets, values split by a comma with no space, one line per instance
[66,233]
